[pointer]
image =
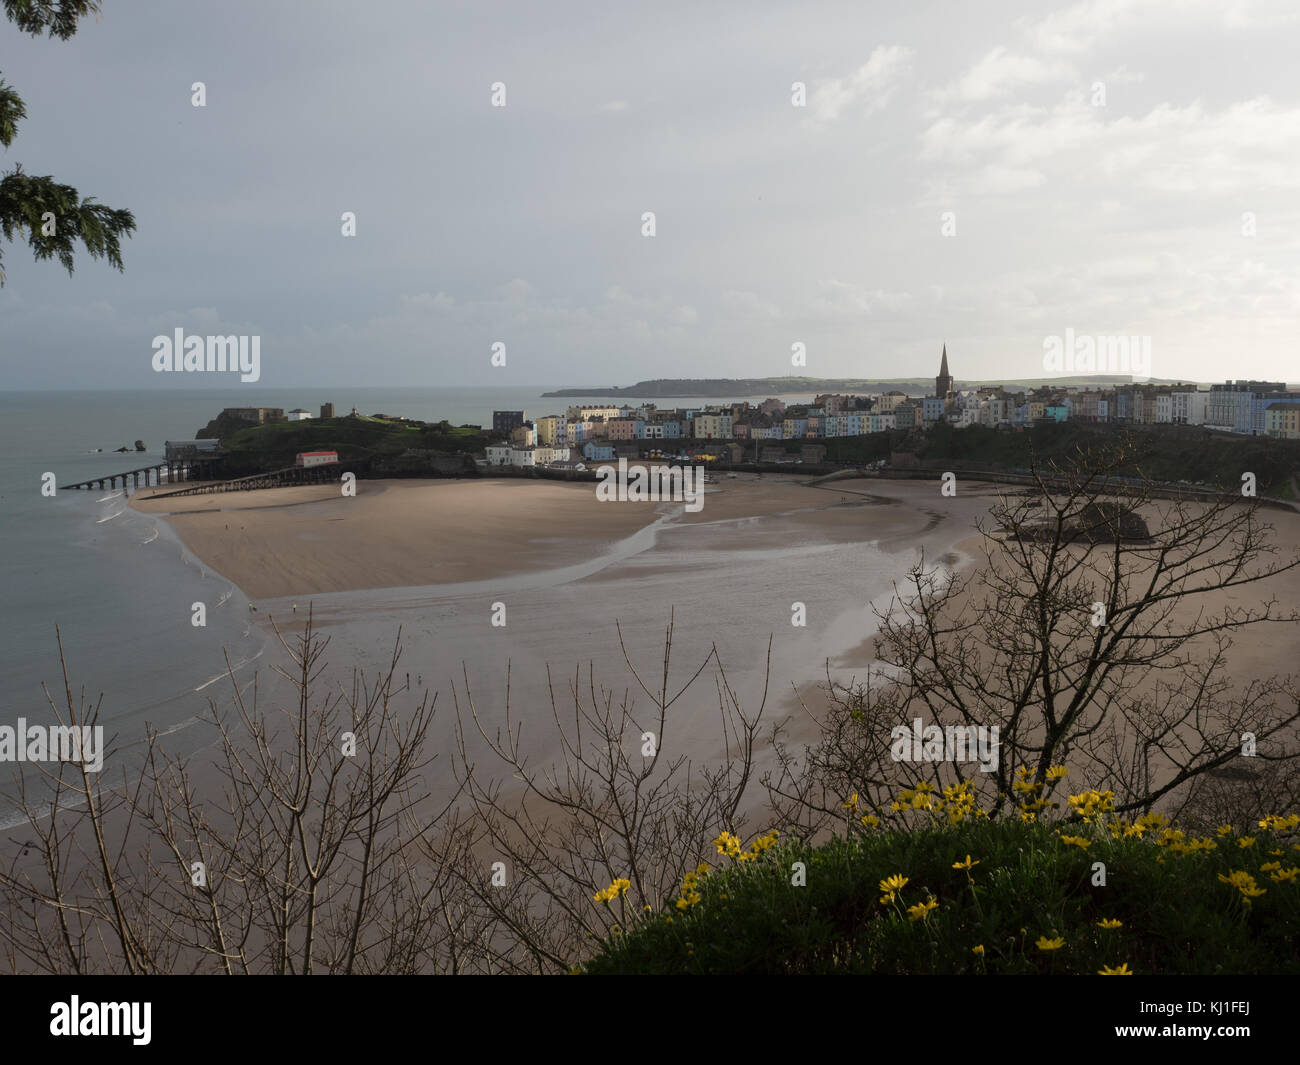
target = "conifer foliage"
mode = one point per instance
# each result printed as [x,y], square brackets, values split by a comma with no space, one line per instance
[50,216]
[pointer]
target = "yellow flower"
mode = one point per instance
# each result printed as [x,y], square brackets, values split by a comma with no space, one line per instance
[978,950]
[1056,772]
[1121,970]
[852,804]
[915,913]
[1244,883]
[895,883]
[1285,875]
[1268,867]
[617,888]
[1089,804]
[1110,922]
[727,844]
[1077,841]
[1246,841]
[870,820]
[1224,830]
[1044,943]
[967,864]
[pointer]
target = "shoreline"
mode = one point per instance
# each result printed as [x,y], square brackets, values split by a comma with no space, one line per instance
[619,564]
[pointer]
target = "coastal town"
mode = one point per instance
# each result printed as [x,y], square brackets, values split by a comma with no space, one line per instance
[747,431]
[869,431]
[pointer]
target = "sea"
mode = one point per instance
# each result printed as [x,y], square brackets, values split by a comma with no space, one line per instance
[116,588]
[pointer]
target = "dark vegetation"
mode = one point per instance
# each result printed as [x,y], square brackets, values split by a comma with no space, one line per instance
[378,446]
[1027,890]
[1162,453]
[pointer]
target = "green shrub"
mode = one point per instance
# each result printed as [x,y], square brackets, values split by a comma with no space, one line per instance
[1029,885]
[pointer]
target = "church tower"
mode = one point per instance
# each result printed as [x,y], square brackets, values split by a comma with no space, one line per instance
[943,383]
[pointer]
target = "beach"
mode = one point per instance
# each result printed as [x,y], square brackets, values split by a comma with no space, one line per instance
[582,583]
[403,533]
[532,591]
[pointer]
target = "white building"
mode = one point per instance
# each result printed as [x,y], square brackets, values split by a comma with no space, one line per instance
[298,415]
[526,457]
[1189,408]
[586,414]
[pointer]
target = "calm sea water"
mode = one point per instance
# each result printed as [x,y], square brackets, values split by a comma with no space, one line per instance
[117,584]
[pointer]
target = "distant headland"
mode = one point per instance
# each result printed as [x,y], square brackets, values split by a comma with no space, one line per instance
[720,387]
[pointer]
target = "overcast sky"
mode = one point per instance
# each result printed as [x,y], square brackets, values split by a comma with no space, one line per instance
[775,224]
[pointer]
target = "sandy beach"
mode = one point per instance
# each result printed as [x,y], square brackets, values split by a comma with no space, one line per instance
[401,533]
[431,559]
[585,581]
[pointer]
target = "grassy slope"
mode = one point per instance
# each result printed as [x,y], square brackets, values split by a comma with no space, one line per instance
[1177,915]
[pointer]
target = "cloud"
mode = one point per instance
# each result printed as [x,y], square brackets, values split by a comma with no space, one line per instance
[836,298]
[196,319]
[749,305]
[999,72]
[1076,28]
[867,90]
[1244,148]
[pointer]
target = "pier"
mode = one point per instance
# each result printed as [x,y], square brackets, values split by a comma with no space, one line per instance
[289,475]
[176,471]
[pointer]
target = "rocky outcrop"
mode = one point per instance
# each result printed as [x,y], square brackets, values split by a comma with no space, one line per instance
[1096,523]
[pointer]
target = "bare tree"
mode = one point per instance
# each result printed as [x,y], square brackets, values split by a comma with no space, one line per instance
[619,805]
[1096,634]
[305,863]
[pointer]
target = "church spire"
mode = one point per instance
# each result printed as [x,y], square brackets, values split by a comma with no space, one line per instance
[943,383]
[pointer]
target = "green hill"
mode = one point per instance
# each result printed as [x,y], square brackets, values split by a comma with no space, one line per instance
[373,446]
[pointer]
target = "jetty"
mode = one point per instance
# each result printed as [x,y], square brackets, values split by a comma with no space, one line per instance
[175,471]
[281,478]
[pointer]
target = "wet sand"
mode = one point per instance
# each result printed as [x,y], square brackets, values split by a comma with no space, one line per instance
[436,560]
[579,583]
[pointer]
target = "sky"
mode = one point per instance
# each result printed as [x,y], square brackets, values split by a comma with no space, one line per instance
[988,176]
